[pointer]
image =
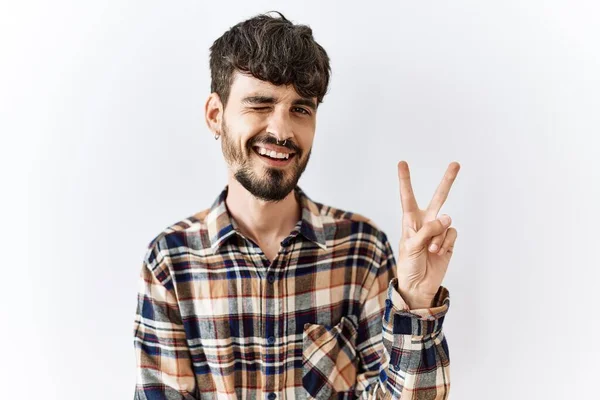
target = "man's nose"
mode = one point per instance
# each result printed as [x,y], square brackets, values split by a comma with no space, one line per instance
[280,125]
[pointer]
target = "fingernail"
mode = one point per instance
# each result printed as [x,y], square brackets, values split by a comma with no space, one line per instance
[445,219]
[433,247]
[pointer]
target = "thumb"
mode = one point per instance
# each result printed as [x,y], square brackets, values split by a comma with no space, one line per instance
[431,229]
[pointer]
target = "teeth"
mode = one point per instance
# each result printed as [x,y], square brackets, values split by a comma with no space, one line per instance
[273,153]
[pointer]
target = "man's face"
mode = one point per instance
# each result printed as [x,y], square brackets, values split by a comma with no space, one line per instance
[256,115]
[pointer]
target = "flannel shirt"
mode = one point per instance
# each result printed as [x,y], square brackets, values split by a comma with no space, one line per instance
[216,320]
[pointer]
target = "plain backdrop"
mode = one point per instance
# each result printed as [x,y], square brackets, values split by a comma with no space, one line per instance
[104,144]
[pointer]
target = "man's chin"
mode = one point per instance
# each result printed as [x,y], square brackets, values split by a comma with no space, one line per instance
[271,195]
[265,188]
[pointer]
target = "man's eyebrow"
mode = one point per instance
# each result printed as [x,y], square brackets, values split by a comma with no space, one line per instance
[260,99]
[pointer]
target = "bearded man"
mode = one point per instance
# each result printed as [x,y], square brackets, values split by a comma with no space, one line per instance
[268,294]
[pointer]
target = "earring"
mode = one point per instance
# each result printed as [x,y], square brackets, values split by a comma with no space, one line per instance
[217,136]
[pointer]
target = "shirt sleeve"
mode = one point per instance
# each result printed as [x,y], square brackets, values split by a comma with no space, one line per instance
[403,353]
[164,368]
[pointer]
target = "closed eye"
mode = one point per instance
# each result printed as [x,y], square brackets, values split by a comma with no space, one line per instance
[296,109]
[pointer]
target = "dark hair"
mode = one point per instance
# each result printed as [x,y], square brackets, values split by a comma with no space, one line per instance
[273,50]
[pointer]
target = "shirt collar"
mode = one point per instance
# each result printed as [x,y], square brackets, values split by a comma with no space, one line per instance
[221,226]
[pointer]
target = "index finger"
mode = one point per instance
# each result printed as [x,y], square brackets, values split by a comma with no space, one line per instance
[441,194]
[407,196]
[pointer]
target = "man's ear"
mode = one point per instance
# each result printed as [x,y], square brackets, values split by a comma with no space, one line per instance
[213,113]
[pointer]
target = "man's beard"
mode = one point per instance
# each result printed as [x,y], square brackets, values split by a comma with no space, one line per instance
[276,183]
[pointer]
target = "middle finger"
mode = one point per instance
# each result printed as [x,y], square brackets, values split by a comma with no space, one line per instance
[441,193]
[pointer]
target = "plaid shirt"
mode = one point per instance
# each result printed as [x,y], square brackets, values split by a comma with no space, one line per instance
[216,320]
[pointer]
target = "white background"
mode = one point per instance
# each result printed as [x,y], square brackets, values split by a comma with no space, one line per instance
[104,144]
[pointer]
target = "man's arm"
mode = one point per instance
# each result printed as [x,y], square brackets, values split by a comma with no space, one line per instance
[402,353]
[164,368]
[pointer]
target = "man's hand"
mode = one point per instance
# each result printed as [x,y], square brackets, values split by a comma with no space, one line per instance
[420,270]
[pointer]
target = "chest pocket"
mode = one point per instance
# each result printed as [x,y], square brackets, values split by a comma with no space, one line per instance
[329,359]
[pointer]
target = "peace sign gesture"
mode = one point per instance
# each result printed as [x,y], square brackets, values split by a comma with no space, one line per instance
[427,241]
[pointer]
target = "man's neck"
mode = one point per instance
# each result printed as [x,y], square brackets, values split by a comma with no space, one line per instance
[266,223]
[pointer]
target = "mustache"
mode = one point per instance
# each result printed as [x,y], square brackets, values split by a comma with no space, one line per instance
[271,140]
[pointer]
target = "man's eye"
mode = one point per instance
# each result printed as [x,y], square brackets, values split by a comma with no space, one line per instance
[260,108]
[302,110]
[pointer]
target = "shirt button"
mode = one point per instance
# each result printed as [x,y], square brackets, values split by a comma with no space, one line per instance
[272,396]
[271,339]
[396,367]
[271,278]
[285,242]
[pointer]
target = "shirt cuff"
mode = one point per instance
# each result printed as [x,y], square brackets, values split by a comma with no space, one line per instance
[420,321]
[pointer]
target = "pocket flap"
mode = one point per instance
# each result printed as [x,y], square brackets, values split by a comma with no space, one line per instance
[329,358]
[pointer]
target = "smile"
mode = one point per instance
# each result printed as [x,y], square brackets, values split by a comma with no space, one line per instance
[274,158]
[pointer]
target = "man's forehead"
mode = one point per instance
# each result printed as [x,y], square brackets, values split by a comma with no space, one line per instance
[245,85]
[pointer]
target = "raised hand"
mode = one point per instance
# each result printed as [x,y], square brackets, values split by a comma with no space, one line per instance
[421,269]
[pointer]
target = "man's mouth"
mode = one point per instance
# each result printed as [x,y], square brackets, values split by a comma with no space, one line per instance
[273,157]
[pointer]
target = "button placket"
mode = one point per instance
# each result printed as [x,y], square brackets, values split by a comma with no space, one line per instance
[272,309]
[257,257]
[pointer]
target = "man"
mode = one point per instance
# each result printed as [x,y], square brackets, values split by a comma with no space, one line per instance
[270,295]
